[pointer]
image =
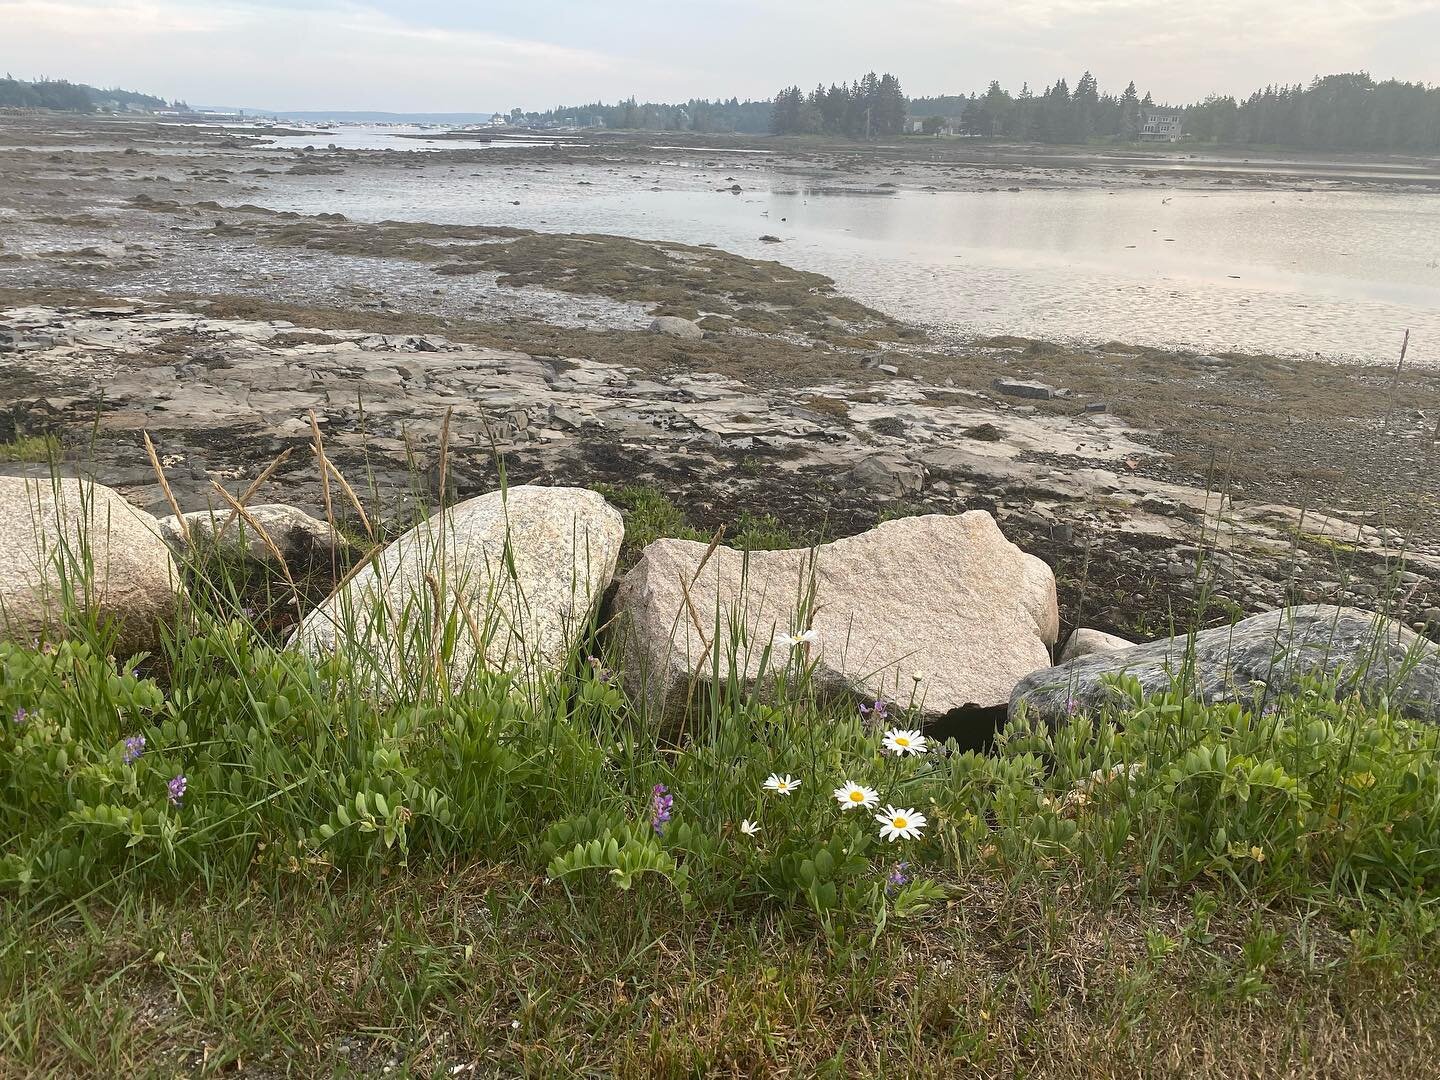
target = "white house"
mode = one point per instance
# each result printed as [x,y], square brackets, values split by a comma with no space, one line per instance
[1160,126]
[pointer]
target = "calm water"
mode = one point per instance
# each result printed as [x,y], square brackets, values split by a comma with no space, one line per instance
[1341,274]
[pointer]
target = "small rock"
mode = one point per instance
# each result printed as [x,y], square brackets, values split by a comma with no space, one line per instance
[677,328]
[1025,389]
[1084,641]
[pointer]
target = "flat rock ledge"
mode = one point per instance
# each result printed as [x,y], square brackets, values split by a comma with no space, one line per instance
[516,575]
[1261,656]
[940,609]
[67,541]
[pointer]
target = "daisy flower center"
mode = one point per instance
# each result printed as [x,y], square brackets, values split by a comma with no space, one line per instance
[901,740]
[857,796]
[900,823]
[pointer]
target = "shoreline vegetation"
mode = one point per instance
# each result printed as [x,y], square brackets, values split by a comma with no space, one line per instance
[226,854]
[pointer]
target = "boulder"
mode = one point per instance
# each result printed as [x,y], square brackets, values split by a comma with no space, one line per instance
[517,574]
[66,540]
[1083,641]
[294,533]
[888,475]
[677,327]
[946,599]
[1265,654]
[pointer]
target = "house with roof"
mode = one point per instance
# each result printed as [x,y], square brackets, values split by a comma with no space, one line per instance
[1160,125]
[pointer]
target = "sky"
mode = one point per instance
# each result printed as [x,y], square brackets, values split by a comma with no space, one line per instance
[492,55]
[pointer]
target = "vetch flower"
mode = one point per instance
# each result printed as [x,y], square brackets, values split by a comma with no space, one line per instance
[176,789]
[661,802]
[789,641]
[134,747]
[781,785]
[20,715]
[900,742]
[749,828]
[852,796]
[900,824]
[898,878]
[878,711]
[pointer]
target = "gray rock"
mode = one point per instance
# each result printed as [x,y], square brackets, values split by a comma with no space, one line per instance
[67,540]
[1084,641]
[1024,389]
[677,327]
[888,475]
[947,599]
[1367,653]
[518,575]
[294,533]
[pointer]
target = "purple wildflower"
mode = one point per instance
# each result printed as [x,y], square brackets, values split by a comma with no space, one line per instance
[176,788]
[134,747]
[898,878]
[1072,706]
[602,673]
[878,711]
[661,802]
[20,715]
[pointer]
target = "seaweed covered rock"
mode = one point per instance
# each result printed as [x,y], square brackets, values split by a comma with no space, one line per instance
[1263,655]
[943,608]
[506,581]
[68,542]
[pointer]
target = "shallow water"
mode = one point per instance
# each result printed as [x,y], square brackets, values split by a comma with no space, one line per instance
[1340,274]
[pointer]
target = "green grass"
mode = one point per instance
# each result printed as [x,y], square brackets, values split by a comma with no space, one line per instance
[30,448]
[469,873]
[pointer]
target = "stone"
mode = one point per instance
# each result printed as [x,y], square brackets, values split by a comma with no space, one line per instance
[888,475]
[1367,653]
[296,534]
[677,327]
[518,607]
[941,609]
[69,536]
[1025,389]
[1083,642]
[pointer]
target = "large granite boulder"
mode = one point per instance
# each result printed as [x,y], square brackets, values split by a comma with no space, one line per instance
[947,599]
[517,575]
[1265,654]
[67,541]
[295,534]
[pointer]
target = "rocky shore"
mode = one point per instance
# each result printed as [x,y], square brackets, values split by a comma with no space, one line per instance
[140,292]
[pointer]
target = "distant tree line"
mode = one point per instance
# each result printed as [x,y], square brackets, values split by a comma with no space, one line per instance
[70,97]
[870,107]
[697,114]
[1057,115]
[1335,112]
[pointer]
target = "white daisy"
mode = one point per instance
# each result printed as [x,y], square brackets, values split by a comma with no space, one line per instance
[901,742]
[853,796]
[789,641]
[900,824]
[781,785]
[749,828]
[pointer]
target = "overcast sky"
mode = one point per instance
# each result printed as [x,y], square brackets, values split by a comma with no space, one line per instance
[483,55]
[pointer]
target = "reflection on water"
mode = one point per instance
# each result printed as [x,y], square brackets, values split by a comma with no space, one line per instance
[1339,274]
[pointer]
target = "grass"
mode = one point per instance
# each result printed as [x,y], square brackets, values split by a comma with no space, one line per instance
[30,448]
[465,876]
